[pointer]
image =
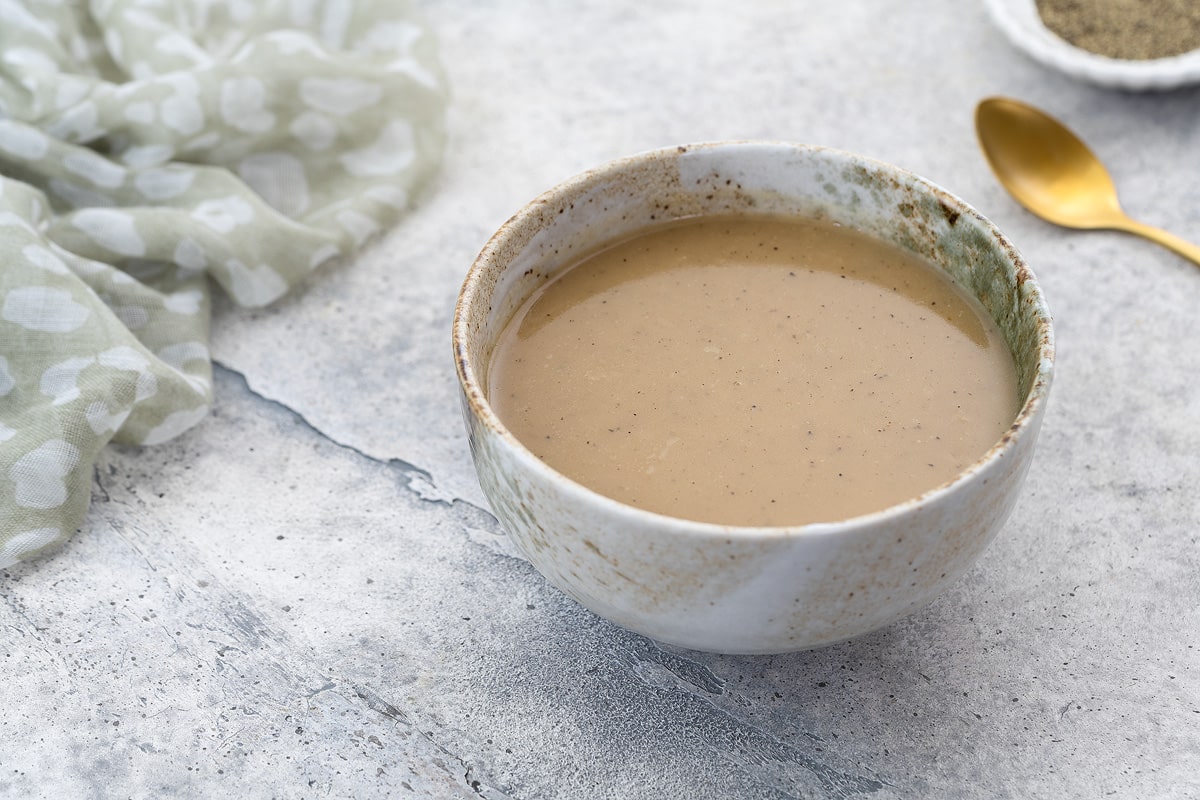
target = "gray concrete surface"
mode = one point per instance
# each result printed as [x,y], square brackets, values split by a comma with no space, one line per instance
[305,597]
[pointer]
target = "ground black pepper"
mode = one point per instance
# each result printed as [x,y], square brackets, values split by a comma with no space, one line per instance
[1127,29]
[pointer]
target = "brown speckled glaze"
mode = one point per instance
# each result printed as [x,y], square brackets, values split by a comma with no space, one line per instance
[731,589]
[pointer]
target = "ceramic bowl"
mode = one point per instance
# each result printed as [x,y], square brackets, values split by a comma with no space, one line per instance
[740,589]
[1022,25]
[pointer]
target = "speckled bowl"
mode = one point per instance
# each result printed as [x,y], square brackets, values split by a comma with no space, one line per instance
[735,589]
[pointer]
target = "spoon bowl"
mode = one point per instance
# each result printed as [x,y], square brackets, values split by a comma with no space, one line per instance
[1051,172]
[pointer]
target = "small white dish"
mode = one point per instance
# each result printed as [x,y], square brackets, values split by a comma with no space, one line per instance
[1021,23]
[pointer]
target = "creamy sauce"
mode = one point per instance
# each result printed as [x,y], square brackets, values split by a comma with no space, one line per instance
[754,371]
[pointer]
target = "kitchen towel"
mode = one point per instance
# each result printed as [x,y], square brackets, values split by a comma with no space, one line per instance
[150,149]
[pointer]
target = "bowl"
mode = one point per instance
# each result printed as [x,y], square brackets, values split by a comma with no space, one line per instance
[748,589]
[1021,23]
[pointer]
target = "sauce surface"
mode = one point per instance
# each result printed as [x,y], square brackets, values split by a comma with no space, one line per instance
[754,371]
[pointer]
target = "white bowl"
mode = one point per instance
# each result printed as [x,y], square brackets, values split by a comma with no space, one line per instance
[1021,23]
[739,589]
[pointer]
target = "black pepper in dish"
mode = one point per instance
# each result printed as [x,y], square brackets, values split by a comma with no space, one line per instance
[1135,30]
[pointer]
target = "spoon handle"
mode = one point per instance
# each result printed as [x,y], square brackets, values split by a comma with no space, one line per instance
[1167,240]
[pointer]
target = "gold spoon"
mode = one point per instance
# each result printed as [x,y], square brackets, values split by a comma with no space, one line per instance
[1054,175]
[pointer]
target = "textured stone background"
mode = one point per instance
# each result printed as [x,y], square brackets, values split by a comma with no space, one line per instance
[304,596]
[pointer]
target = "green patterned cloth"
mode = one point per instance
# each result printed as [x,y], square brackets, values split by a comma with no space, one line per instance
[146,147]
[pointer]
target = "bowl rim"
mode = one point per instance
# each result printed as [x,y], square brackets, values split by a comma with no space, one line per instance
[1025,422]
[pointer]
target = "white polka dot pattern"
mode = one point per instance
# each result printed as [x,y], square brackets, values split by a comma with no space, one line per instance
[145,147]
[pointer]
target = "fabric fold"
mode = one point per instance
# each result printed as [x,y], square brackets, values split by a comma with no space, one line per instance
[148,147]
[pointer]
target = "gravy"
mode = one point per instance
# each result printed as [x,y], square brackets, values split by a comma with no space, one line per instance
[754,371]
